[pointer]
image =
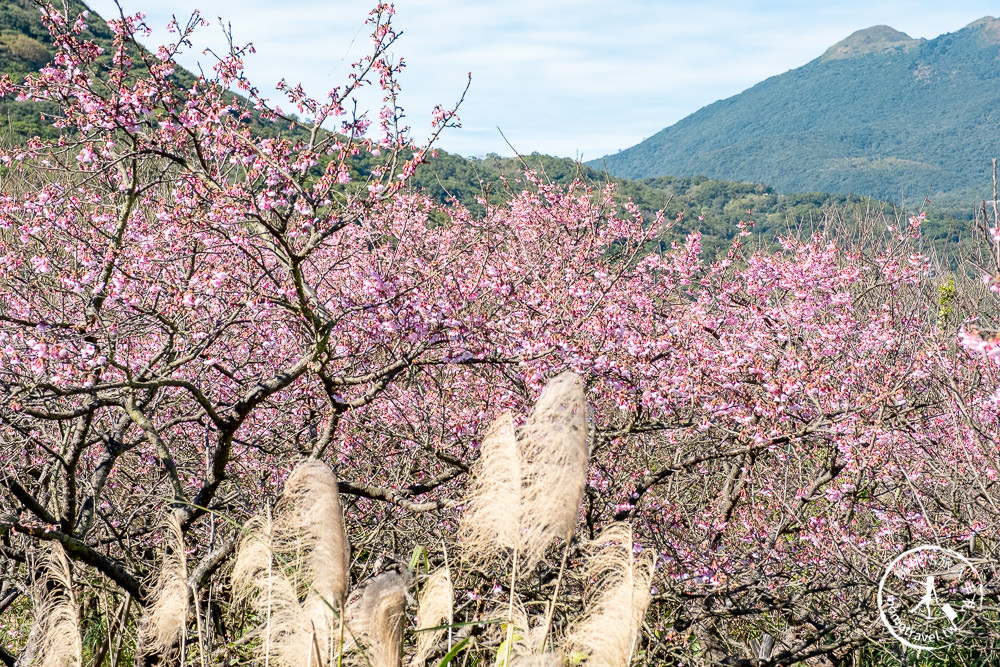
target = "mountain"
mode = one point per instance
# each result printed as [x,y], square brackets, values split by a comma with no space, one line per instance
[878,113]
[712,207]
[877,39]
[25,46]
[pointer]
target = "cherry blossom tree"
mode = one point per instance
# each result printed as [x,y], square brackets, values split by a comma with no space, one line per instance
[200,290]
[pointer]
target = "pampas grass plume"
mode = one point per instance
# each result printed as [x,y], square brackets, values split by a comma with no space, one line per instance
[519,636]
[57,620]
[376,621]
[493,500]
[434,609]
[554,453]
[313,520]
[314,517]
[258,579]
[164,624]
[295,568]
[618,596]
[527,484]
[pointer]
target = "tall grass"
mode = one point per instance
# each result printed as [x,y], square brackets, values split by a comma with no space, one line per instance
[291,573]
[162,628]
[55,638]
[618,595]
[293,566]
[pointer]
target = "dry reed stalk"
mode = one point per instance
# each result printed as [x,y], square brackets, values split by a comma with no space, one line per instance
[55,637]
[490,524]
[294,568]
[434,609]
[554,455]
[618,596]
[520,636]
[314,521]
[162,629]
[375,620]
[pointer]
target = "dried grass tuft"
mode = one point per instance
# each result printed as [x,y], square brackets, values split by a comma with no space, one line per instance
[55,638]
[618,595]
[164,624]
[435,609]
[554,455]
[375,621]
[489,526]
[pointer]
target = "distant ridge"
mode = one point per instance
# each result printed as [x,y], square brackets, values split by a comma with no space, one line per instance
[870,40]
[879,113]
[987,29]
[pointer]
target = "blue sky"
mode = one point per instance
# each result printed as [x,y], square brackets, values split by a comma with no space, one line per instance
[574,78]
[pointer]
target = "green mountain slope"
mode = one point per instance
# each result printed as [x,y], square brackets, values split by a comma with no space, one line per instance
[710,206]
[877,114]
[713,207]
[26,46]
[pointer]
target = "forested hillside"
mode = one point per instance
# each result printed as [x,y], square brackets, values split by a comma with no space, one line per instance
[26,46]
[713,207]
[878,114]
